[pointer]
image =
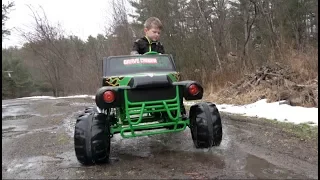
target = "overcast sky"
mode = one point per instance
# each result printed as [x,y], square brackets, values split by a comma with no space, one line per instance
[79,17]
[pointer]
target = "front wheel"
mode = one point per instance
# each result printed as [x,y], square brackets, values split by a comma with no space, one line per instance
[92,138]
[205,125]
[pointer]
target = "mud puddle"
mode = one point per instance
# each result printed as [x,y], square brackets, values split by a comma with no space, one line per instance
[18,117]
[30,168]
[258,167]
[70,122]
[16,111]
[12,111]
[16,131]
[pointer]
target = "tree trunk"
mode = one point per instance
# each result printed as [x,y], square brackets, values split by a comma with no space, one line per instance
[245,25]
[316,30]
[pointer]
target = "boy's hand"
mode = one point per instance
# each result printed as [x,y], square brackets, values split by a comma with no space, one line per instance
[134,53]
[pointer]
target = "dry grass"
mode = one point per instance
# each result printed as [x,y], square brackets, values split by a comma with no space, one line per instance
[303,64]
[215,81]
[246,98]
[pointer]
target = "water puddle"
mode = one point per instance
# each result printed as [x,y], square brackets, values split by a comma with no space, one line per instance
[18,130]
[70,122]
[11,128]
[62,104]
[69,159]
[30,168]
[17,117]
[174,146]
[260,168]
[14,104]
[13,111]
[83,104]
[16,111]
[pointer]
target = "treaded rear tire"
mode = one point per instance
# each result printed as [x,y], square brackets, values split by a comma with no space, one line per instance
[205,125]
[92,138]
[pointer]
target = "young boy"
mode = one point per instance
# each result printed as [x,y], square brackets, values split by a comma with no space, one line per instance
[150,42]
[152,30]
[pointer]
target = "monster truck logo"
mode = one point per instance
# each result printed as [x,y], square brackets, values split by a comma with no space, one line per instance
[140,61]
[114,81]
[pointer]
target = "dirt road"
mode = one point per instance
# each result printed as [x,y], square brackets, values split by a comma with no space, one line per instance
[37,142]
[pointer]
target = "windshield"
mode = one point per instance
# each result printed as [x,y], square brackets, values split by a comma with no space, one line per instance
[138,64]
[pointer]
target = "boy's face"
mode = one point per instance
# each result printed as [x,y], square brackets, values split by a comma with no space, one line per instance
[153,33]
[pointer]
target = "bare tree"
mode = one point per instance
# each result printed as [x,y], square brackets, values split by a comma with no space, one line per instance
[5,12]
[43,42]
[206,19]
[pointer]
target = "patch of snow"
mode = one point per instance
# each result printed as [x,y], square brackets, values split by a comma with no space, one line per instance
[82,104]
[78,96]
[275,111]
[38,97]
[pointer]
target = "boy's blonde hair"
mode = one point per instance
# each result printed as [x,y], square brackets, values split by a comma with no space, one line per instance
[153,22]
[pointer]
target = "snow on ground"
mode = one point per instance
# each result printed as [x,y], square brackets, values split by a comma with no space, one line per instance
[274,111]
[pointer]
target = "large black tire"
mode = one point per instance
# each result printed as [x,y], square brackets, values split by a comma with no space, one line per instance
[205,125]
[92,138]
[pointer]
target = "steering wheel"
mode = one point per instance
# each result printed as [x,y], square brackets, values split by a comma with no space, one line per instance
[151,52]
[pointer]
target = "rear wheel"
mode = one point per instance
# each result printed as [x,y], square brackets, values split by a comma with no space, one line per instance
[92,138]
[205,125]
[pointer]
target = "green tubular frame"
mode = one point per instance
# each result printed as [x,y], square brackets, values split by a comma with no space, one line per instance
[129,124]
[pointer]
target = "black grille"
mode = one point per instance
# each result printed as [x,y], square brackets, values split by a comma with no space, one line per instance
[151,94]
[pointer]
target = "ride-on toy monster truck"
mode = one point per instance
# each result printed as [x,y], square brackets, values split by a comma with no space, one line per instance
[142,95]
